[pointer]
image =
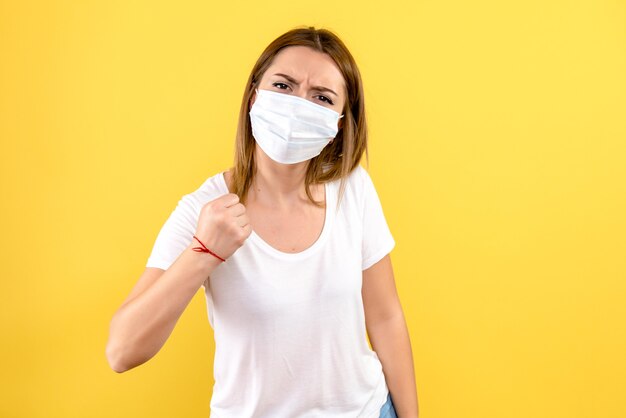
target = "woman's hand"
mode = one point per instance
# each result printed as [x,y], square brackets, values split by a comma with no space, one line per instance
[223,225]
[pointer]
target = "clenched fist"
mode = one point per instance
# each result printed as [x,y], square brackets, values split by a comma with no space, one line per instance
[223,225]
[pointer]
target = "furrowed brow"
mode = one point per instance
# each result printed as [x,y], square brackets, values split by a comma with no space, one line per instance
[318,88]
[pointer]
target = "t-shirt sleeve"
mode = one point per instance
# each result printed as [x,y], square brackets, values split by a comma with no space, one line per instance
[175,234]
[377,238]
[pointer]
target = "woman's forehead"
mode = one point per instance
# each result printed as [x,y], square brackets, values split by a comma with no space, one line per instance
[304,63]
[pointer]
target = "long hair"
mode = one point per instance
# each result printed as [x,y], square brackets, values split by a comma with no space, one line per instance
[344,153]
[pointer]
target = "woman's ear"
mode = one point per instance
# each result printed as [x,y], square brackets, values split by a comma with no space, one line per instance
[252,98]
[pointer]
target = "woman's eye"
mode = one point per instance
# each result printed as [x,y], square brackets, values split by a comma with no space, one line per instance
[327,99]
[282,84]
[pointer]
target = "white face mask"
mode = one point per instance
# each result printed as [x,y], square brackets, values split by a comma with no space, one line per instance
[291,129]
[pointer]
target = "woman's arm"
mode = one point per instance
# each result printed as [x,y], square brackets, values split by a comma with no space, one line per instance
[147,317]
[389,336]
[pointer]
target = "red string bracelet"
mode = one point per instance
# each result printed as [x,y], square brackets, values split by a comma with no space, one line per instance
[204,249]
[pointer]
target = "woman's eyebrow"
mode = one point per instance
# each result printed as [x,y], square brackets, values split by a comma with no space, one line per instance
[318,88]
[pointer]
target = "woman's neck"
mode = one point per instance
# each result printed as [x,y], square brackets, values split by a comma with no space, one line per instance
[275,184]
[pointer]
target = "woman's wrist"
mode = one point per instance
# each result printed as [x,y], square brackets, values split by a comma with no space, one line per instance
[204,249]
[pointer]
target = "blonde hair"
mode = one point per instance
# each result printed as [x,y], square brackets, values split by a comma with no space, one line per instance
[343,154]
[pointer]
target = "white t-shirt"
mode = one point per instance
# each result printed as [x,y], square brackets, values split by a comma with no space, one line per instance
[289,328]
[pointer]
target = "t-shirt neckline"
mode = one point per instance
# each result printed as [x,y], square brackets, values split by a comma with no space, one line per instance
[321,239]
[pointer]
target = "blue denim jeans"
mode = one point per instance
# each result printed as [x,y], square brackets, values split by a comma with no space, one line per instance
[387,410]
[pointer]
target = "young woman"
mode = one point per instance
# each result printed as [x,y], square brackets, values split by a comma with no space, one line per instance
[292,250]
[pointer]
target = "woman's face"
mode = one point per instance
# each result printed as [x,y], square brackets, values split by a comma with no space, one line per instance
[307,73]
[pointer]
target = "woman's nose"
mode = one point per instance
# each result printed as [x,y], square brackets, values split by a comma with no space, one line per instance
[302,93]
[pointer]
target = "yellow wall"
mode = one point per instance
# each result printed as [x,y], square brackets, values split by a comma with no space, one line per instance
[498,149]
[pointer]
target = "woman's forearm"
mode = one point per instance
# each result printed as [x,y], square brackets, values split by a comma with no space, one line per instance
[141,326]
[390,339]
